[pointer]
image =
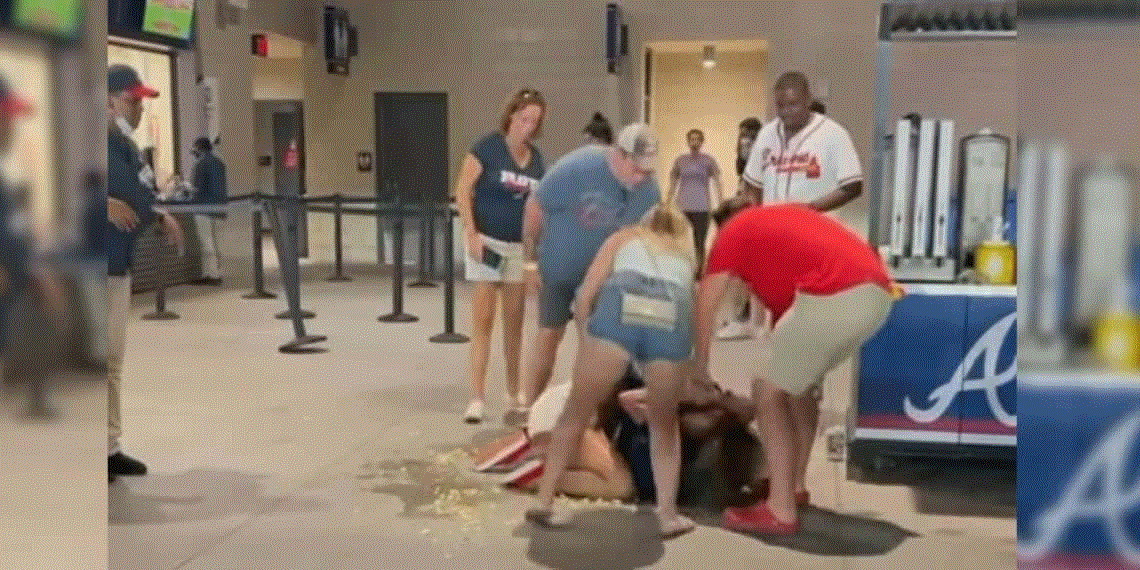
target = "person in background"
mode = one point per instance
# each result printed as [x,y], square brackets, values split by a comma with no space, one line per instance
[828,292]
[741,325]
[130,209]
[498,175]
[598,131]
[690,181]
[803,157]
[209,181]
[588,195]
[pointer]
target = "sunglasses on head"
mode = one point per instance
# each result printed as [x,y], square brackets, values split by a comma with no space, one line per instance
[529,94]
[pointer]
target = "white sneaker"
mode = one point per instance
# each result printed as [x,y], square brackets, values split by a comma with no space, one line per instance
[735,330]
[474,413]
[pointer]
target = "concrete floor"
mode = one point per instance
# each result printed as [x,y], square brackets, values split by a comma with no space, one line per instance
[355,458]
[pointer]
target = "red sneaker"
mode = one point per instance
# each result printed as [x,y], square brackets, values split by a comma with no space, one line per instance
[757,519]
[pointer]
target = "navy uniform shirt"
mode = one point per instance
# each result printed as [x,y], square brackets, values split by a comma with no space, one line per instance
[124,163]
[503,187]
[209,179]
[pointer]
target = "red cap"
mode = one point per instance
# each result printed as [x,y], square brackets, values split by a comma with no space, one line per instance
[12,105]
[143,92]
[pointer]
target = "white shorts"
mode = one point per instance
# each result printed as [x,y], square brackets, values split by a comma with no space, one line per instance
[547,408]
[819,332]
[510,272]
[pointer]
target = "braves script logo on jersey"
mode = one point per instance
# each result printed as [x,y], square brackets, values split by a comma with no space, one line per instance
[987,349]
[805,162]
[1096,493]
[518,183]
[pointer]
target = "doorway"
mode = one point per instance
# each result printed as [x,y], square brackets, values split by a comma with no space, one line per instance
[280,142]
[683,93]
[412,158]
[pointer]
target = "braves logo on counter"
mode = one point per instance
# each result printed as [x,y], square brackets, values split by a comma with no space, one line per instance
[985,349]
[1097,492]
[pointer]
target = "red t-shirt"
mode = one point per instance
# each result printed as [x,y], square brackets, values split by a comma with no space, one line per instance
[785,248]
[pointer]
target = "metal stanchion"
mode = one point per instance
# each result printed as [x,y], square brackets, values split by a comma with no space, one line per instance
[285,239]
[397,315]
[160,313]
[338,236]
[449,335]
[424,279]
[259,291]
[296,209]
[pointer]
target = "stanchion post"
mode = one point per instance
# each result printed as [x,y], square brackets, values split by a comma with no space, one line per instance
[160,313]
[295,208]
[290,282]
[259,291]
[449,336]
[397,315]
[424,279]
[338,237]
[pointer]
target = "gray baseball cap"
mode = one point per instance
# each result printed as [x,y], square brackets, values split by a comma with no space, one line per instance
[639,140]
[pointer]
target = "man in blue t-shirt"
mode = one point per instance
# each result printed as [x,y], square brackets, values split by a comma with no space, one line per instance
[583,199]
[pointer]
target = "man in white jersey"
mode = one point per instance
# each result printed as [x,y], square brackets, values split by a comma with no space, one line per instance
[803,157]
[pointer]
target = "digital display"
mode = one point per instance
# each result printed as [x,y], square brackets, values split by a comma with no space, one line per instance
[171,18]
[60,18]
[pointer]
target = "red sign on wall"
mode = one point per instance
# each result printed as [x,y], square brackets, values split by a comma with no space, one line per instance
[292,156]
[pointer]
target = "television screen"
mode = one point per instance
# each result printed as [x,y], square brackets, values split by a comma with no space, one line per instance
[61,18]
[336,34]
[171,18]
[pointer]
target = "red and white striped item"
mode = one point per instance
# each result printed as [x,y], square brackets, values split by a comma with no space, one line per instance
[525,474]
[505,457]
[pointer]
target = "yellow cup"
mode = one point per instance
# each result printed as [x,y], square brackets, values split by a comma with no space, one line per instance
[995,261]
[1116,340]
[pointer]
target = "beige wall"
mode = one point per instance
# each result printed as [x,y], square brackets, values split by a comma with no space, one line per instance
[278,79]
[687,96]
[478,51]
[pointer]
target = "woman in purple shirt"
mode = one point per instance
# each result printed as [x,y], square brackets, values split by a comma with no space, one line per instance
[690,179]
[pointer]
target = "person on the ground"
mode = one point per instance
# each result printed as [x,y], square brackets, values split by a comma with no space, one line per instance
[803,157]
[635,304]
[720,456]
[595,470]
[740,324]
[209,180]
[598,131]
[495,181]
[828,292]
[587,196]
[130,209]
[691,182]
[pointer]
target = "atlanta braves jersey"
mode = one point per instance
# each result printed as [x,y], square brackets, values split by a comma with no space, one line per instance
[813,163]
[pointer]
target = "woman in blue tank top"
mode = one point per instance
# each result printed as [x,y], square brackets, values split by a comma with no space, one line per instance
[635,304]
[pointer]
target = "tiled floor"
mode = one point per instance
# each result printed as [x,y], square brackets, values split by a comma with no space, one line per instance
[353,458]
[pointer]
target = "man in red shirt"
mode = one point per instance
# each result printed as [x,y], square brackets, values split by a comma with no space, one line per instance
[828,292]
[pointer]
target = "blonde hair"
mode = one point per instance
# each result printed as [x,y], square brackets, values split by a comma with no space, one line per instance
[668,229]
